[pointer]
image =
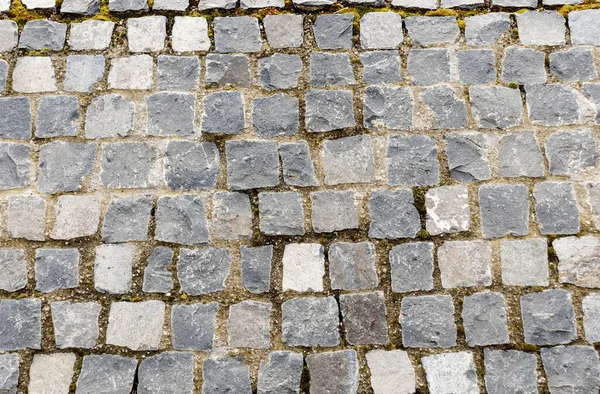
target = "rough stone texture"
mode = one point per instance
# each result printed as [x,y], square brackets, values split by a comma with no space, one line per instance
[465,263]
[90,35]
[519,155]
[553,105]
[429,66]
[127,5]
[578,261]
[20,324]
[524,262]
[181,73]
[281,213]
[412,267]
[194,326]
[75,324]
[485,29]
[393,214]
[333,31]
[182,220]
[541,28]
[275,115]
[381,30]
[27,217]
[56,269]
[279,71]
[51,373]
[468,156]
[556,208]
[484,319]
[328,110]
[191,165]
[113,268]
[168,372]
[571,151]
[352,266]
[496,107]
[251,164]
[297,164]
[573,65]
[348,160]
[509,371]
[9,32]
[449,111]
[330,69]
[109,116]
[43,34]
[432,30]
[9,373]
[284,31]
[77,216]
[548,317]
[34,74]
[310,322]
[157,278]
[146,34]
[381,67]
[447,210]
[64,166]
[571,368]
[225,375]
[303,267]
[523,66]
[131,73]
[127,219]
[391,372]
[203,271]
[333,372]
[591,317]
[412,161]
[189,34]
[127,165]
[428,321]
[504,210]
[364,317]
[388,107]
[451,373]
[14,268]
[281,373]
[476,66]
[256,268]
[248,325]
[138,326]
[171,113]
[237,34]
[584,27]
[227,70]
[57,117]
[333,211]
[106,373]
[15,160]
[232,216]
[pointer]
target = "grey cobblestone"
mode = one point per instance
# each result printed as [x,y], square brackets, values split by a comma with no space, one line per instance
[281,213]
[310,321]
[352,266]
[203,271]
[548,317]
[428,321]
[193,326]
[333,211]
[16,163]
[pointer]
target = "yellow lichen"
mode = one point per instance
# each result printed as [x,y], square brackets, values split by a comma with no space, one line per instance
[441,12]
[565,9]
[21,15]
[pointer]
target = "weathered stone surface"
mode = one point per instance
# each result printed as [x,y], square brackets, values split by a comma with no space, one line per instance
[83,7]
[281,213]
[75,324]
[136,325]
[328,110]
[227,70]
[3,74]
[593,199]
[57,117]
[548,317]
[333,211]
[591,317]
[381,30]
[256,268]
[232,216]
[279,71]
[485,29]
[43,34]
[476,66]
[429,66]
[191,165]
[465,263]
[181,219]
[51,373]
[393,214]
[348,160]
[127,165]
[411,267]
[90,35]
[364,317]
[451,373]
[106,373]
[56,269]
[381,67]
[113,268]
[303,267]
[391,372]
[333,31]
[157,277]
[14,268]
[484,319]
[571,368]
[223,113]
[523,66]
[9,35]
[412,161]
[171,113]
[127,5]
[108,116]
[248,325]
[284,30]
[553,105]
[178,73]
[237,34]
[310,321]
[424,30]
[225,375]
[333,372]
[449,112]
[428,321]
[9,372]
[189,34]
[20,324]
[578,261]
[193,326]
[388,107]
[203,271]
[496,107]
[447,210]
[64,166]
[468,156]
[556,208]
[541,28]
[168,372]
[27,217]
[331,69]
[519,155]
[509,371]
[573,65]
[571,151]
[524,262]
[275,115]
[34,74]
[127,219]
[131,73]
[584,27]
[352,266]
[77,216]
[210,4]
[504,210]
[297,164]
[281,373]
[15,163]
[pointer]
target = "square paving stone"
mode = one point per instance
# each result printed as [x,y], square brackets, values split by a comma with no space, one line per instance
[391,371]
[476,67]
[333,372]
[237,34]
[275,115]
[113,268]
[348,160]
[34,74]
[168,372]
[524,262]
[333,31]
[591,91]
[573,368]
[381,30]
[43,34]
[448,210]
[508,371]
[9,372]
[75,324]
[519,155]
[223,70]
[523,66]
[27,217]
[193,326]
[147,34]
[352,266]
[20,324]
[297,164]
[465,263]
[364,317]
[556,208]
[231,216]
[77,216]
[109,116]
[189,34]
[203,271]
[284,30]
[191,165]
[281,373]
[496,107]
[90,35]
[9,34]
[504,210]
[591,317]
[80,7]
[182,219]
[51,373]
[127,5]
[179,73]
[256,268]
[171,114]
[449,112]
[328,110]
[412,160]
[303,267]
[333,211]
[484,319]
[127,219]
[223,113]
[393,214]
[330,69]
[451,373]
[541,28]
[553,105]
[131,73]
[411,266]
[469,156]
[575,260]
[56,269]
[16,120]
[429,66]
[279,71]
[106,373]
[381,67]
[428,322]
[281,213]
[14,268]
[249,326]
[136,325]
[157,277]
[225,375]
[573,65]
[310,321]
[548,317]
[584,27]
[15,163]
[251,164]
[388,107]
[425,30]
[64,166]
[571,151]
[57,117]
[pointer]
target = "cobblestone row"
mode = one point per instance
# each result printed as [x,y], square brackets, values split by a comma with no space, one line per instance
[283,197]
